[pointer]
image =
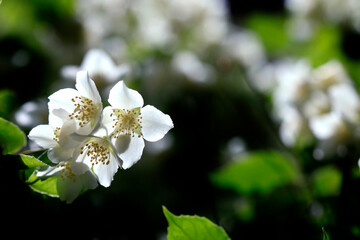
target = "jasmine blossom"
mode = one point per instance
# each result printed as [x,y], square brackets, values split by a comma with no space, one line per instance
[129,123]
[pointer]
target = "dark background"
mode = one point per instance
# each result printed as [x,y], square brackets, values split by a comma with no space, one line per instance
[205,119]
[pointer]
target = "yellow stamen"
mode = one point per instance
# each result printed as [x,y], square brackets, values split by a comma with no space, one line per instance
[127,122]
[66,172]
[85,110]
[56,134]
[97,150]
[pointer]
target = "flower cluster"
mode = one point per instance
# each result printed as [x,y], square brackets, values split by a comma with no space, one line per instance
[319,103]
[88,144]
[141,29]
[305,14]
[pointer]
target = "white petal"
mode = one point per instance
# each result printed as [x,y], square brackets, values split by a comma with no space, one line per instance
[325,126]
[122,97]
[59,154]
[107,120]
[87,87]
[68,189]
[155,124]
[79,168]
[65,139]
[57,116]
[43,136]
[100,132]
[62,99]
[88,180]
[88,127]
[129,149]
[345,100]
[105,173]
[48,172]
[81,162]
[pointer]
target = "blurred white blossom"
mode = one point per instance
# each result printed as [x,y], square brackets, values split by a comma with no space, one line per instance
[188,64]
[319,103]
[331,11]
[154,23]
[293,126]
[161,34]
[32,113]
[100,66]
[245,47]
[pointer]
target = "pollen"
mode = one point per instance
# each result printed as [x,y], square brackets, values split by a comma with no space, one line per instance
[98,151]
[127,122]
[85,110]
[56,134]
[66,172]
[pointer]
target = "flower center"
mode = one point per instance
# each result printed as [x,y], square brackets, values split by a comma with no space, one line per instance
[56,135]
[85,110]
[66,172]
[98,151]
[127,122]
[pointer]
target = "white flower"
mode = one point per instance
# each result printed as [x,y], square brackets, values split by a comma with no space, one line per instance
[128,123]
[293,82]
[317,104]
[69,185]
[329,126]
[98,154]
[55,136]
[82,105]
[192,67]
[32,113]
[301,7]
[245,47]
[329,74]
[346,101]
[100,67]
[292,127]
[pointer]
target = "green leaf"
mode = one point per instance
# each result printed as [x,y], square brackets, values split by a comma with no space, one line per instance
[326,181]
[31,161]
[192,227]
[257,172]
[12,139]
[40,155]
[46,186]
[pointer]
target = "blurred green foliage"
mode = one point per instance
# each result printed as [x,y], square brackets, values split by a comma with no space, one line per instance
[269,25]
[326,181]
[257,172]
[33,14]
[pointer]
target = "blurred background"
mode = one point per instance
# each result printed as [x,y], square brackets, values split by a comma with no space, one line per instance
[263,96]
